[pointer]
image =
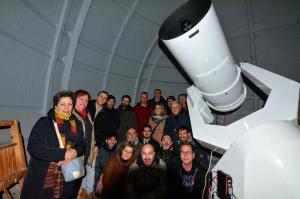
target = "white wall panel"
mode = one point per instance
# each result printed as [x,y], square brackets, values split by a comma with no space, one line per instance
[164,61]
[157,10]
[86,78]
[136,38]
[125,86]
[103,22]
[166,74]
[126,3]
[91,55]
[232,15]
[46,9]
[22,69]
[278,50]
[124,66]
[26,26]
[275,13]
[57,77]
[240,47]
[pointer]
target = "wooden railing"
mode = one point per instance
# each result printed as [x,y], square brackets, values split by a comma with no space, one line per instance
[12,159]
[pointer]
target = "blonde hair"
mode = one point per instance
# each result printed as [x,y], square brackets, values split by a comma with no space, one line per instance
[164,112]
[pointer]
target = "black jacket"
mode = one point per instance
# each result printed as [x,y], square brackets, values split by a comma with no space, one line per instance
[176,177]
[146,182]
[153,142]
[43,146]
[127,121]
[106,122]
[162,100]
[168,155]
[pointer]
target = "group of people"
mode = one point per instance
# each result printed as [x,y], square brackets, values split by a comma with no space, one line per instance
[141,152]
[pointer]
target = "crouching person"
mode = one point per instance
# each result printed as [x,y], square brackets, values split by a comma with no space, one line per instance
[186,178]
[105,152]
[115,173]
[147,176]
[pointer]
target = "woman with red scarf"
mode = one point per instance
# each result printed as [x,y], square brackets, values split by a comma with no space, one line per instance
[81,113]
[44,177]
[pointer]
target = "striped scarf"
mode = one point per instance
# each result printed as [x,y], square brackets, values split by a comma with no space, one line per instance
[53,182]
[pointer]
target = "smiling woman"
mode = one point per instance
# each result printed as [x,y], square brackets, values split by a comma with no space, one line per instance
[81,113]
[44,177]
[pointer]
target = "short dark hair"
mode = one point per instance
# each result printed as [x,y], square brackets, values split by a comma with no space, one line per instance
[147,126]
[126,96]
[61,94]
[182,127]
[187,144]
[144,92]
[112,134]
[103,92]
[171,97]
[182,94]
[111,97]
[157,89]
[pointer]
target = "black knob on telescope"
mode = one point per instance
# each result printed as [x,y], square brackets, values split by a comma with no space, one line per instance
[184,18]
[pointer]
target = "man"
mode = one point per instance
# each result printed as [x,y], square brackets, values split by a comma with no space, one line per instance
[107,121]
[95,106]
[148,139]
[142,112]
[131,138]
[105,152]
[157,98]
[127,117]
[178,118]
[186,180]
[146,176]
[167,150]
[186,137]
[182,101]
[170,100]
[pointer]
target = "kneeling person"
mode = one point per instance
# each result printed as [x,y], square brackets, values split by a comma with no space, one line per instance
[186,180]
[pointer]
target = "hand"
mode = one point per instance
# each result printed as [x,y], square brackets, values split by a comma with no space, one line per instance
[63,162]
[70,154]
[95,151]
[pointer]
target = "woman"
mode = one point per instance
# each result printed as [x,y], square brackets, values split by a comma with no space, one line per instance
[81,113]
[44,178]
[115,172]
[157,122]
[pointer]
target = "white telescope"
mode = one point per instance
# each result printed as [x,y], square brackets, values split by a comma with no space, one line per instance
[194,36]
[260,149]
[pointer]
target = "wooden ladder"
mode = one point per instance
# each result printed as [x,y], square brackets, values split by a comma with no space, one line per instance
[12,159]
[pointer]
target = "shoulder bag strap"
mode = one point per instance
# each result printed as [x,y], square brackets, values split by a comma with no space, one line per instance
[155,127]
[58,135]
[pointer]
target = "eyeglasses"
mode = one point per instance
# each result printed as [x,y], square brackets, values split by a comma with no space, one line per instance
[186,152]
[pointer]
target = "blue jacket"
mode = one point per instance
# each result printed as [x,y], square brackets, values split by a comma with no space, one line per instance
[174,122]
